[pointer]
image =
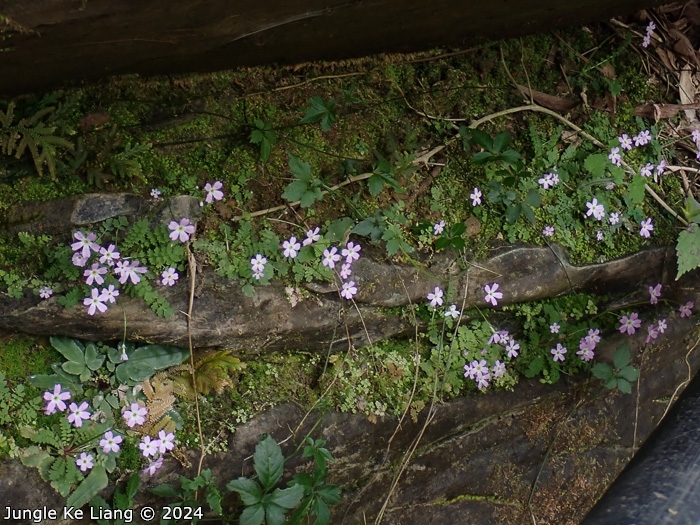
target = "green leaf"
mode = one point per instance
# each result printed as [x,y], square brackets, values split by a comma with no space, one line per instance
[294,191]
[321,111]
[636,189]
[338,228]
[534,368]
[482,139]
[73,368]
[268,462]
[629,373]
[688,250]
[482,157]
[512,213]
[533,198]
[214,499]
[602,371]
[510,156]
[302,170]
[322,512]
[527,211]
[164,490]
[249,490]
[252,515]
[69,348]
[595,164]
[309,198]
[287,498]
[330,494]
[622,356]
[91,486]
[611,383]
[624,386]
[375,184]
[691,209]
[501,141]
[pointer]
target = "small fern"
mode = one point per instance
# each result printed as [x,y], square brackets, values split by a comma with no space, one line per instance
[31,134]
[212,371]
[159,393]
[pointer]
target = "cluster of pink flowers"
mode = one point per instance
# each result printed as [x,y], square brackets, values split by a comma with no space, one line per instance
[587,344]
[549,180]
[479,370]
[649,32]
[150,448]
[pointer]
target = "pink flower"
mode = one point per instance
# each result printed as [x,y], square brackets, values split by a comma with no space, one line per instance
[149,447]
[45,292]
[182,230]
[169,276]
[131,271]
[349,290]
[56,399]
[312,236]
[214,192]
[351,252]
[345,271]
[167,441]
[652,332]
[94,274]
[548,231]
[492,295]
[558,352]
[84,461]
[109,256]
[78,413]
[95,302]
[686,309]
[435,297]
[85,243]
[476,197]
[291,248]
[109,294]
[110,442]
[153,466]
[647,228]
[655,292]
[135,416]
[330,257]
[630,324]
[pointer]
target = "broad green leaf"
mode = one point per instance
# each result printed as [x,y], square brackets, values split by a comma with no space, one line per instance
[688,250]
[252,515]
[330,494]
[629,373]
[287,498]
[375,184]
[595,164]
[158,356]
[622,356]
[294,191]
[527,211]
[602,371]
[309,198]
[249,490]
[214,499]
[501,141]
[322,512]
[301,170]
[268,462]
[510,156]
[636,189]
[533,198]
[165,490]
[69,348]
[265,149]
[691,209]
[90,487]
[624,386]
[482,157]
[73,368]
[274,514]
[534,368]
[338,228]
[512,213]
[482,139]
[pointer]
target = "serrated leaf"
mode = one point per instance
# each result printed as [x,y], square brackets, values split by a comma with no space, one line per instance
[534,368]
[602,371]
[636,189]
[249,490]
[510,156]
[301,170]
[287,498]
[330,494]
[252,515]
[294,191]
[595,164]
[308,199]
[268,462]
[482,157]
[338,229]
[624,386]
[629,373]
[622,356]
[501,141]
[165,490]
[688,250]
[375,184]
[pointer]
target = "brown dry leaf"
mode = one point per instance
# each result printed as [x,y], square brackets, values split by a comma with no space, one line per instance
[549,101]
[686,90]
[94,119]
[683,46]
[662,111]
[608,71]
[667,58]
[473,226]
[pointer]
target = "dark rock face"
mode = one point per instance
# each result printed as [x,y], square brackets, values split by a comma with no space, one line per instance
[478,459]
[48,42]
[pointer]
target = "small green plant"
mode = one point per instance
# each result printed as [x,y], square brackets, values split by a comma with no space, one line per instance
[384,173]
[621,374]
[264,135]
[190,496]
[307,188]
[122,507]
[321,111]
[266,503]
[31,134]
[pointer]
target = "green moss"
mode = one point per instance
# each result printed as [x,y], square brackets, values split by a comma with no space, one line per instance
[22,356]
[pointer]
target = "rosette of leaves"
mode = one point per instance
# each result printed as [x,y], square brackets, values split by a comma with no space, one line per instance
[264,502]
[145,361]
[619,376]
